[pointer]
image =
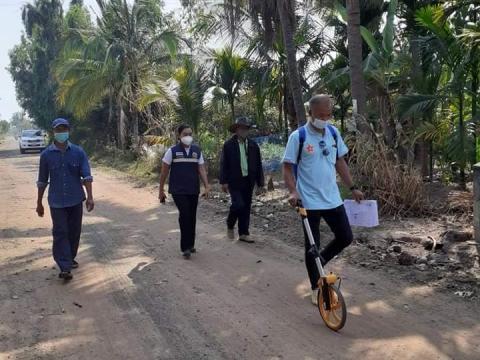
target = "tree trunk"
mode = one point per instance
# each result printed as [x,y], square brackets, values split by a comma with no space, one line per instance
[121,127]
[417,77]
[232,109]
[286,12]
[135,136]
[421,157]
[110,112]
[386,118]
[461,130]
[474,89]
[355,57]
[475,84]
[285,113]
[290,114]
[432,161]
[280,118]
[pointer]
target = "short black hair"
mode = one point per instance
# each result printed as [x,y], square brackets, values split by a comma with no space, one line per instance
[182,127]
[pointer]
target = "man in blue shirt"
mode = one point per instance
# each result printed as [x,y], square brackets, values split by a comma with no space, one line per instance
[66,166]
[318,160]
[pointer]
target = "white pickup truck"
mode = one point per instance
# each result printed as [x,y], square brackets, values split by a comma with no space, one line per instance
[32,140]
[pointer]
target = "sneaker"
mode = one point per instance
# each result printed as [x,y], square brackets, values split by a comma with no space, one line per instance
[74,264]
[65,275]
[187,254]
[246,238]
[231,234]
[315,297]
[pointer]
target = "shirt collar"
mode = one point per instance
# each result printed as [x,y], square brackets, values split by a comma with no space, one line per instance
[54,147]
[315,133]
[241,142]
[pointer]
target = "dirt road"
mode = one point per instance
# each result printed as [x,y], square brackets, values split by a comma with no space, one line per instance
[134,297]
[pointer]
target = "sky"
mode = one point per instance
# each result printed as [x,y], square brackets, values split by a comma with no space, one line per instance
[10,32]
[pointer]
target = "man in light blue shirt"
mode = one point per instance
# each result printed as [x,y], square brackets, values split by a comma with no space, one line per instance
[318,159]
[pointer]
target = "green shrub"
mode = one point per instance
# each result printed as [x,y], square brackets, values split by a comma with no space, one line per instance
[272,151]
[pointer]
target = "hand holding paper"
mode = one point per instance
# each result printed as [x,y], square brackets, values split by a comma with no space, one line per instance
[363,214]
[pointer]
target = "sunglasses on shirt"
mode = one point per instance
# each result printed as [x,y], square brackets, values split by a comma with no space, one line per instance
[323,147]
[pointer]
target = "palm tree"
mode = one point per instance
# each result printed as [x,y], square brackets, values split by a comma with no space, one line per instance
[286,12]
[229,73]
[378,67]
[355,45]
[471,38]
[443,45]
[271,18]
[191,87]
[129,46]
[184,92]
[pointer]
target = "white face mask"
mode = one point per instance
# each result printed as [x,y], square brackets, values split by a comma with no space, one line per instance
[320,124]
[187,140]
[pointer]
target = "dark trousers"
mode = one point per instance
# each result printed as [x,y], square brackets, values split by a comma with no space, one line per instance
[67,227]
[187,207]
[241,197]
[337,220]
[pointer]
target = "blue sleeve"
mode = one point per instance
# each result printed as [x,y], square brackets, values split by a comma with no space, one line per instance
[341,146]
[42,181]
[291,152]
[85,168]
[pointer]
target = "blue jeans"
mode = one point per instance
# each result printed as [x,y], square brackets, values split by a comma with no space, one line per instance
[67,227]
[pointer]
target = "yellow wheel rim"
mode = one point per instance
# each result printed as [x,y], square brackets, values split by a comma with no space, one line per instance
[335,317]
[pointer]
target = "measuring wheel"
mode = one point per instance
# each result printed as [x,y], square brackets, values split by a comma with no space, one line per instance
[331,304]
[330,300]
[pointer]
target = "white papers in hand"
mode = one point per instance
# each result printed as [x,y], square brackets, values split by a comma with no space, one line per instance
[363,214]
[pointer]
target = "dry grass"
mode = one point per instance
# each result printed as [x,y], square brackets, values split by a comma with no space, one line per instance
[398,188]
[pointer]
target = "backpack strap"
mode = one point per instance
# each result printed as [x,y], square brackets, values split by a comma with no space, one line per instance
[302,135]
[334,134]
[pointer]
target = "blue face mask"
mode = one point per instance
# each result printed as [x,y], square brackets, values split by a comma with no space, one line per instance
[61,137]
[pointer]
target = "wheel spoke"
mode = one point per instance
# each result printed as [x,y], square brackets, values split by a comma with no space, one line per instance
[337,318]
